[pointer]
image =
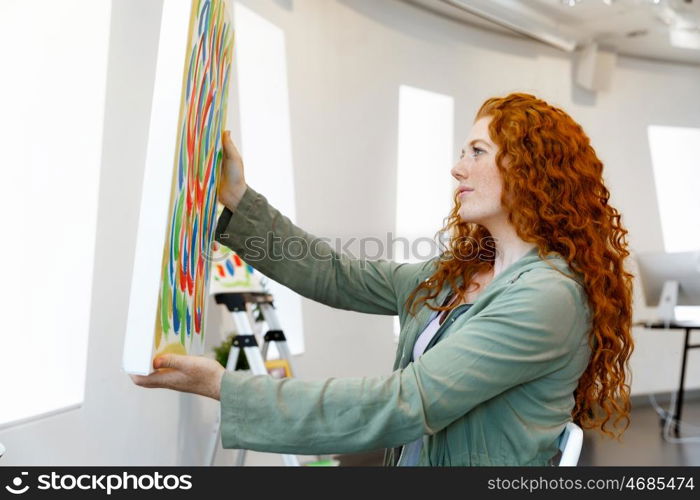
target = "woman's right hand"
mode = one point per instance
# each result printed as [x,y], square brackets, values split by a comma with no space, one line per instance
[232,183]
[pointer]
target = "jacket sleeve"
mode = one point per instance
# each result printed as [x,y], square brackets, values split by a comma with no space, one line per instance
[272,244]
[533,328]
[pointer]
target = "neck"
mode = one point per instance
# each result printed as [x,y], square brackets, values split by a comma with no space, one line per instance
[509,246]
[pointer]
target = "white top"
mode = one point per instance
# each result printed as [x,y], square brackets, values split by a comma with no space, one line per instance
[411,451]
[426,335]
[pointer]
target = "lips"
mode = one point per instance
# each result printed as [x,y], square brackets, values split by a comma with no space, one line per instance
[463,190]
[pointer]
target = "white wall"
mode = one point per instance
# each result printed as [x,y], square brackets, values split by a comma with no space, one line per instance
[346,61]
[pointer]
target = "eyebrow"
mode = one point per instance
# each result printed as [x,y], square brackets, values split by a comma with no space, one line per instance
[481,141]
[478,140]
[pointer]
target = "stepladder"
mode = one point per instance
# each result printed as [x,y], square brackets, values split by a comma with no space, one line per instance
[246,343]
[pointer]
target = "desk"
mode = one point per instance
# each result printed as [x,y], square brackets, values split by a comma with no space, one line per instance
[687,326]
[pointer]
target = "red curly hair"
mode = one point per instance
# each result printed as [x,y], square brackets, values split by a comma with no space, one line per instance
[554,195]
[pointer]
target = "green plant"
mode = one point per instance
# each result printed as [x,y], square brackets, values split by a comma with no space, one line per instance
[258,313]
[222,351]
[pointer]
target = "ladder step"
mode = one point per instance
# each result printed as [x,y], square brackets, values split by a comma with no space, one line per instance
[275,336]
[236,301]
[245,341]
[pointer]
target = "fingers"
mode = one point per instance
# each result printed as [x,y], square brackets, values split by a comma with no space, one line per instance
[226,141]
[230,149]
[164,379]
[184,373]
[175,361]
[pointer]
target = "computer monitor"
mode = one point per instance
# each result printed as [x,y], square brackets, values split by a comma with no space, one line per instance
[669,280]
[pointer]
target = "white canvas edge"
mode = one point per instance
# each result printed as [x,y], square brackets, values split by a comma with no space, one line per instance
[157,186]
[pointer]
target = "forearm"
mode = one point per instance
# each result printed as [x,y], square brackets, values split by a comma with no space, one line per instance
[337,415]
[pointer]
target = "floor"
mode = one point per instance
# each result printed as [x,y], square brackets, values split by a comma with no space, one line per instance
[642,444]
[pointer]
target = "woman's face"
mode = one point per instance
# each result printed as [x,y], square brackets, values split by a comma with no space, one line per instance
[477,170]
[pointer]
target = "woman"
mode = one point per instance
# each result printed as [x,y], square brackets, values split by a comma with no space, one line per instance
[522,325]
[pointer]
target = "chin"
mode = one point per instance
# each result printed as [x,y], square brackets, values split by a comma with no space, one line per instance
[469,217]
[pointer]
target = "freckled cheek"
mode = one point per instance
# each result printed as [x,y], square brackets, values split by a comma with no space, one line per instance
[488,193]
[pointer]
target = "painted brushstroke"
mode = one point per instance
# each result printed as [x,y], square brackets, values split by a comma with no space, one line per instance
[192,216]
[231,272]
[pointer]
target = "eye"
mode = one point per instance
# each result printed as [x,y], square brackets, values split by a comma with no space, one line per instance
[476,152]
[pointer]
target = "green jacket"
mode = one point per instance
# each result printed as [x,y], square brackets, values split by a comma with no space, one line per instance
[494,387]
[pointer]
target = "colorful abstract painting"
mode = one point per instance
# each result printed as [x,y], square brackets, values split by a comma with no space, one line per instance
[186,266]
[230,273]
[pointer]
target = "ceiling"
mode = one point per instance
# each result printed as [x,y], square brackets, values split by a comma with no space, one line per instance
[667,30]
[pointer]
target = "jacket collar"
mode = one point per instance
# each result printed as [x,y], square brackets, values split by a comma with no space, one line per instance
[529,260]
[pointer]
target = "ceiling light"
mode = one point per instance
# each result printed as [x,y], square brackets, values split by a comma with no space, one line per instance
[683,25]
[518,17]
[685,38]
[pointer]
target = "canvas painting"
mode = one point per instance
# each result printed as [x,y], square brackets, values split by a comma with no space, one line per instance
[230,273]
[187,227]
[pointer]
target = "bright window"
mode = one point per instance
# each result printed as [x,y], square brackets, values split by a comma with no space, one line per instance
[52,101]
[675,155]
[424,184]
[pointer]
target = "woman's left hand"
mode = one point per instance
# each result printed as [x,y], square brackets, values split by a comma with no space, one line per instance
[194,374]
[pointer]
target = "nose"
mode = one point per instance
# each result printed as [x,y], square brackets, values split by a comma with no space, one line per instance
[459,170]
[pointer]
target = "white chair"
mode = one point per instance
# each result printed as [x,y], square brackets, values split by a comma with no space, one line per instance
[570,444]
